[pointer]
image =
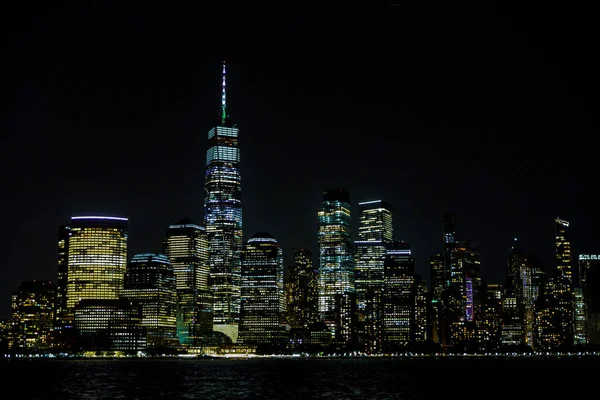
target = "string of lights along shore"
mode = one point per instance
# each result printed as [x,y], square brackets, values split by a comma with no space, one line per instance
[210,294]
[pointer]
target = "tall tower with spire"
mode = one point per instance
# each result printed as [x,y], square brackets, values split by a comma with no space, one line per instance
[223,218]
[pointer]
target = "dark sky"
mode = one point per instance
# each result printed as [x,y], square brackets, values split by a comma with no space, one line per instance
[486,110]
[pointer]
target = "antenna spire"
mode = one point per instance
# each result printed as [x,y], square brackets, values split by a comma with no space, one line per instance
[223,98]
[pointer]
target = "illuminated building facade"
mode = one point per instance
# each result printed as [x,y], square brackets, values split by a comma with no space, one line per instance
[579,317]
[223,219]
[263,301]
[32,315]
[301,290]
[398,297]
[150,286]
[336,263]
[97,259]
[439,282]
[513,332]
[526,278]
[563,280]
[109,325]
[422,326]
[186,246]
[464,294]
[60,313]
[489,326]
[548,334]
[375,234]
[589,277]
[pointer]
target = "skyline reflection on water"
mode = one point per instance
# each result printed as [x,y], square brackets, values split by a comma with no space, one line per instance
[349,378]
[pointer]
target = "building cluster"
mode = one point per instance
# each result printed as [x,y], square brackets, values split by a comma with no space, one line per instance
[209,292]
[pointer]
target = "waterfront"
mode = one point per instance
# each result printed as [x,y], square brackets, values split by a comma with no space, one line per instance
[285,378]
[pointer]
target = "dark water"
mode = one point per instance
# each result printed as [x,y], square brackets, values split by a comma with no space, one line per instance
[362,378]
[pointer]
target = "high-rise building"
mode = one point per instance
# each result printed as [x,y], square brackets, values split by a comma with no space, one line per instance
[375,234]
[489,326]
[336,263]
[97,259]
[32,315]
[563,280]
[150,286]
[525,279]
[60,308]
[399,297]
[186,246]
[223,218]
[589,280]
[301,288]
[263,301]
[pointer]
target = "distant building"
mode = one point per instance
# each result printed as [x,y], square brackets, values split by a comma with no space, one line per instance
[375,235]
[398,297]
[97,261]
[186,246]
[301,289]
[263,301]
[589,277]
[336,262]
[109,325]
[223,218]
[150,286]
[32,316]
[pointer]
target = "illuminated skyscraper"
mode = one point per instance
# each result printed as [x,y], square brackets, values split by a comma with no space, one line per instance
[525,279]
[186,246]
[563,279]
[399,297]
[223,218]
[150,286]
[375,234]
[97,259]
[263,301]
[336,263]
[564,275]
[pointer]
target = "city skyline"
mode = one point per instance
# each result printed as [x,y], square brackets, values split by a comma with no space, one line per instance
[153,179]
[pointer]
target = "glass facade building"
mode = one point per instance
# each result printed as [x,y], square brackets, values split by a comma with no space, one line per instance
[398,297]
[223,219]
[375,234]
[150,286]
[186,246]
[336,262]
[262,297]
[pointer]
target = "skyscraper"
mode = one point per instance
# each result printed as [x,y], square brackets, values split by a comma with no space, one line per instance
[301,290]
[223,218]
[589,278]
[263,301]
[399,297]
[375,234]
[563,282]
[150,286]
[186,246]
[60,307]
[97,259]
[336,263]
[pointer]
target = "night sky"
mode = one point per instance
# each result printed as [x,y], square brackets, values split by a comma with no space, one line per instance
[486,110]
